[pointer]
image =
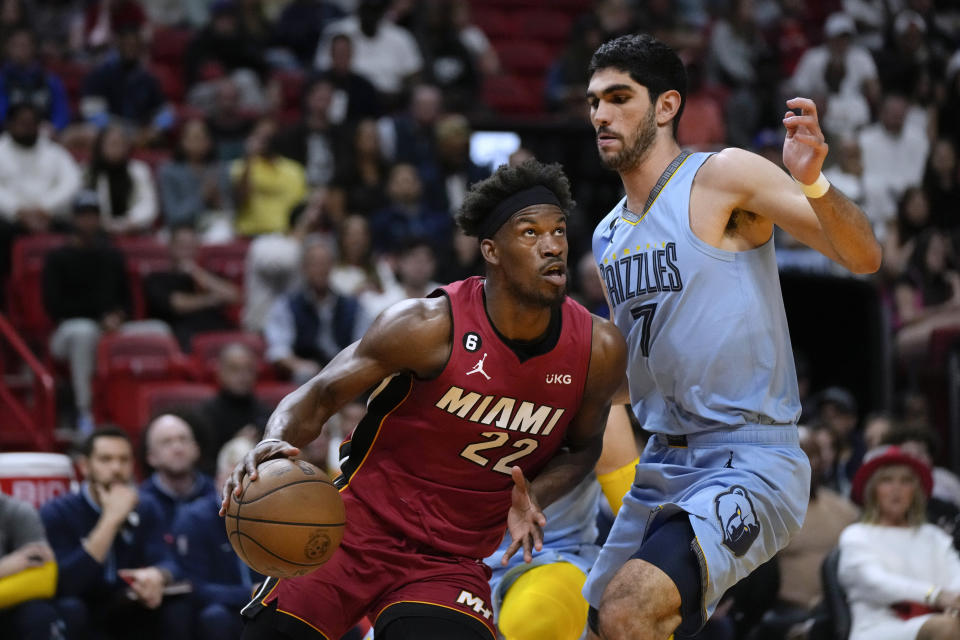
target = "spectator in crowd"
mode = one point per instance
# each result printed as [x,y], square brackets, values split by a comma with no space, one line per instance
[266,185]
[188,298]
[464,258]
[23,79]
[222,47]
[900,235]
[837,411]
[301,23]
[128,197]
[485,57]
[229,121]
[28,575]
[272,266]
[104,21]
[304,330]
[567,77]
[860,71]
[359,185]
[385,54]
[905,58]
[922,443]
[85,292]
[894,590]
[354,96]
[590,291]
[122,87]
[408,135]
[108,541]
[876,426]
[171,453]
[193,185]
[416,266]
[357,269]
[927,297]
[222,584]
[894,155]
[235,408]
[847,174]
[844,112]
[828,514]
[406,213]
[448,63]
[312,141]
[38,180]
[941,183]
[447,178]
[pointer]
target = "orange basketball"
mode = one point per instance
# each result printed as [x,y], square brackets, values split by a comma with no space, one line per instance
[289,521]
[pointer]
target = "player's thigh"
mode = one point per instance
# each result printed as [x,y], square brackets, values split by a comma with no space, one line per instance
[545,602]
[427,627]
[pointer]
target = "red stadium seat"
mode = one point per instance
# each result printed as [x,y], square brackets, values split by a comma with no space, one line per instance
[495,23]
[127,361]
[226,259]
[144,255]
[159,397]
[271,393]
[205,349]
[523,57]
[171,81]
[552,27]
[509,95]
[169,45]
[25,290]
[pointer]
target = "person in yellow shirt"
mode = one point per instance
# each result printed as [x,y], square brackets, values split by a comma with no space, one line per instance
[266,185]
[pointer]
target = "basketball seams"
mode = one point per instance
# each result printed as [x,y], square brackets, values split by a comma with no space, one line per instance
[292,524]
[242,535]
[278,488]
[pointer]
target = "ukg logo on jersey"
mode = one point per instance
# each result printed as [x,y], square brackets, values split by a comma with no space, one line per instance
[559,378]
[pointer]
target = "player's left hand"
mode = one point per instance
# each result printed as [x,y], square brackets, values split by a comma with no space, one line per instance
[525,520]
[804,149]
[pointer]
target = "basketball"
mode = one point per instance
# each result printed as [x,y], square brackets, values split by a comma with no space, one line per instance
[289,521]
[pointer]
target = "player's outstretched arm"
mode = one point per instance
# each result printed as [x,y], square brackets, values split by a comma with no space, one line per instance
[412,336]
[832,224]
[582,446]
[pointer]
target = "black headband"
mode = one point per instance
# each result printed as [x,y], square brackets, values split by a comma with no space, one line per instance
[537,194]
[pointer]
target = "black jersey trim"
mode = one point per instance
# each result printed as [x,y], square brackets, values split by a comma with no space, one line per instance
[381,405]
[527,349]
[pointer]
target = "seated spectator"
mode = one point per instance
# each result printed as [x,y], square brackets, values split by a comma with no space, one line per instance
[406,213]
[828,514]
[385,54]
[235,408]
[408,136]
[266,185]
[229,121]
[23,79]
[123,88]
[927,297]
[222,45]
[837,411]
[876,426]
[900,235]
[272,266]
[222,584]
[188,298]
[485,57]
[304,330]
[359,185]
[354,96]
[358,270]
[941,183]
[447,177]
[448,63]
[38,180]
[28,575]
[311,142]
[128,198]
[416,266]
[193,186]
[108,541]
[105,20]
[85,293]
[901,576]
[171,453]
[923,443]
[300,25]
[847,174]
[463,260]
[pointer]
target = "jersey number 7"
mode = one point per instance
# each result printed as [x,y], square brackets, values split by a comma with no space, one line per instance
[644,313]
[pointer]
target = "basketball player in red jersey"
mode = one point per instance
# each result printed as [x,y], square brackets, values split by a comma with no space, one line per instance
[487,383]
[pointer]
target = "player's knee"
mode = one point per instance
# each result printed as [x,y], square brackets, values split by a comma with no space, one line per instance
[640,601]
[545,602]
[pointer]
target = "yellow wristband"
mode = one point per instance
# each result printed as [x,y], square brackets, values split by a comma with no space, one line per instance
[817,189]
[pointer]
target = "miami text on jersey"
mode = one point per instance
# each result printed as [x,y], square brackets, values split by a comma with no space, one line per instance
[500,411]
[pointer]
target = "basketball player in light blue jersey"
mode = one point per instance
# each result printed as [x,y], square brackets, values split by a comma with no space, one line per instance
[688,263]
[542,598]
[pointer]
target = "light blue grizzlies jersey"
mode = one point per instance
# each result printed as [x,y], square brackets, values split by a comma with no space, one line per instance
[706,331]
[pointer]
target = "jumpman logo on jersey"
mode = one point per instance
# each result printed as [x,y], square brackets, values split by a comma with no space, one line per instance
[478,368]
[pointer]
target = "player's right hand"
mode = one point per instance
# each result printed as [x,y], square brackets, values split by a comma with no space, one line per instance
[265,450]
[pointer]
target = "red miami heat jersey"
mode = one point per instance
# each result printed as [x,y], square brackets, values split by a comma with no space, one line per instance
[432,457]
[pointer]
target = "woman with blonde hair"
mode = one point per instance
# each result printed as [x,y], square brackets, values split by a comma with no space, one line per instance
[901,575]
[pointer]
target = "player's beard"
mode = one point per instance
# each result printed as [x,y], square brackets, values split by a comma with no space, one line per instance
[631,156]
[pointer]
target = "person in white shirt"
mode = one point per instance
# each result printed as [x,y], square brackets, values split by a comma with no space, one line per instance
[901,575]
[383,53]
[128,197]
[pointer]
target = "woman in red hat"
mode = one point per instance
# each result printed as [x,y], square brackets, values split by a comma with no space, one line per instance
[902,575]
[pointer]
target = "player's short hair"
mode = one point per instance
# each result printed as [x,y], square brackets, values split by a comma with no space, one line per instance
[108,431]
[484,196]
[649,62]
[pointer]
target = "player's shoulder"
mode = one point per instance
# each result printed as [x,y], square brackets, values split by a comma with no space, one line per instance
[735,170]
[417,320]
[606,335]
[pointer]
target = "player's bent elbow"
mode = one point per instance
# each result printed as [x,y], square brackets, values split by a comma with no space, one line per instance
[867,263]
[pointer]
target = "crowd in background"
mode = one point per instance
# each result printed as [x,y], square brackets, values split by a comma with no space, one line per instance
[333,139]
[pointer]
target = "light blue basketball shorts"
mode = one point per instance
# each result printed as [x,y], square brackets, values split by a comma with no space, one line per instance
[745,492]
